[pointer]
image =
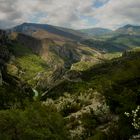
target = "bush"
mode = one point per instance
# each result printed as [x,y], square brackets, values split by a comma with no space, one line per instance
[98,136]
[35,122]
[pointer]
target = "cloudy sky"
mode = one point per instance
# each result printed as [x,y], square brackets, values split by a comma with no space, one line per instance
[75,14]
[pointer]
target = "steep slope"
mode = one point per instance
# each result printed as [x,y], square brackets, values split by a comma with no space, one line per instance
[106,46]
[89,100]
[83,102]
[53,51]
[130,58]
[124,38]
[12,90]
[42,34]
[21,116]
[41,62]
[104,40]
[69,52]
[131,41]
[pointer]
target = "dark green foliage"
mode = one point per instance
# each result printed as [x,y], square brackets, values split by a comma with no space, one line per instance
[37,122]
[117,43]
[66,86]
[119,81]
[105,46]
[98,136]
[90,121]
[128,40]
[11,96]
[115,82]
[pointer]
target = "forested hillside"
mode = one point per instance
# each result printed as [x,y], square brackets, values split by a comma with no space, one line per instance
[86,101]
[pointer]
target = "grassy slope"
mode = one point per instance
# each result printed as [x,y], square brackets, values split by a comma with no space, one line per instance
[27,63]
[114,43]
[129,40]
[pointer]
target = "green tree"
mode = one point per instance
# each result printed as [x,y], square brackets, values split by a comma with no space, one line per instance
[36,122]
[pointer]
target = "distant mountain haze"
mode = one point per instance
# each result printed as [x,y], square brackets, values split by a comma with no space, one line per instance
[96,31]
[129,29]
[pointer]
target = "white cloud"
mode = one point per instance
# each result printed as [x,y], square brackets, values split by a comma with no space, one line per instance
[70,13]
[118,12]
[66,12]
[57,12]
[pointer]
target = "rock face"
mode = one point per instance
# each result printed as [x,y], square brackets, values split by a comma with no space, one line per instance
[8,81]
[3,37]
[48,57]
[30,42]
[49,50]
[0,78]
[4,53]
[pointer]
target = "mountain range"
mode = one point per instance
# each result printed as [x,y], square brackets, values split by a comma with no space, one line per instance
[30,28]
[55,50]
[59,83]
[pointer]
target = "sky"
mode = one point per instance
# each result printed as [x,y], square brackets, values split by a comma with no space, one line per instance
[76,14]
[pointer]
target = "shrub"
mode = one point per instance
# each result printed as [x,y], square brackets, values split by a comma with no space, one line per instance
[35,122]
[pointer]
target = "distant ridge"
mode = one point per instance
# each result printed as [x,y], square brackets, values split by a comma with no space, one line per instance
[96,31]
[129,29]
[130,26]
[29,28]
